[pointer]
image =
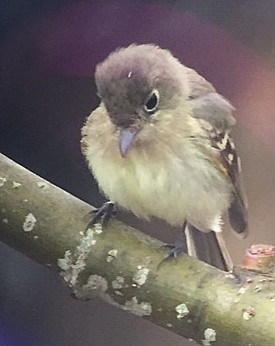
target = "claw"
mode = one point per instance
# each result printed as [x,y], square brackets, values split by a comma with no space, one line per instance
[175,249]
[101,215]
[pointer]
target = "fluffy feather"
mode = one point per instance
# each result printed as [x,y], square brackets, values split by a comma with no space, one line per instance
[182,164]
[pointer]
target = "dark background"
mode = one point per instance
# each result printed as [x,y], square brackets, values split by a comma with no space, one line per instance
[48,53]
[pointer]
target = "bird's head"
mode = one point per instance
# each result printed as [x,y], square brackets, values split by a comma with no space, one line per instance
[139,86]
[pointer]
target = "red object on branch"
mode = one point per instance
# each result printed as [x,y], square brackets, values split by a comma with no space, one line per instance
[260,258]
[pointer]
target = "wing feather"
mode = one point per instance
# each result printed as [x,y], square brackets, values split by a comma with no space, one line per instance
[215,115]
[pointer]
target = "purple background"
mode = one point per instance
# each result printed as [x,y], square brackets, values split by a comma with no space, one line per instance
[48,55]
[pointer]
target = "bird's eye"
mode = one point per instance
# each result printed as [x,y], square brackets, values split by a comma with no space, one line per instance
[152,102]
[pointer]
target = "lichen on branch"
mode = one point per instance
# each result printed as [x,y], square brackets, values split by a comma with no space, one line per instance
[120,265]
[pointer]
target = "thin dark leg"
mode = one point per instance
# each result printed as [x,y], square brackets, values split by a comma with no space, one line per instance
[101,215]
[177,248]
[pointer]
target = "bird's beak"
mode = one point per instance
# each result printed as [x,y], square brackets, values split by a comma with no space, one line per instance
[126,140]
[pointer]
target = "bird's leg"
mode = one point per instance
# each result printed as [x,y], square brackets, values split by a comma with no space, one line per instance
[101,215]
[178,247]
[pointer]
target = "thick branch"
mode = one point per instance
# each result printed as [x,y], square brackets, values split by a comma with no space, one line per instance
[120,265]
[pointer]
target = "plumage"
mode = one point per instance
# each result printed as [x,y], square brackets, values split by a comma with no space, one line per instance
[181,163]
[213,109]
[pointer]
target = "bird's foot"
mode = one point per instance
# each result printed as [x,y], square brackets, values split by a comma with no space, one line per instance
[101,215]
[175,250]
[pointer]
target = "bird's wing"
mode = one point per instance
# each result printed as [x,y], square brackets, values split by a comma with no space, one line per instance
[214,114]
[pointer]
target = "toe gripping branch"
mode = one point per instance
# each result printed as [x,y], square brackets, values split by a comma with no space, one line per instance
[101,215]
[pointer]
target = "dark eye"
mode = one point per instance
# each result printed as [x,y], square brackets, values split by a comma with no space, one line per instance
[152,102]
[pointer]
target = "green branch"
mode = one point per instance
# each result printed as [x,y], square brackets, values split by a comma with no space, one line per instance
[119,265]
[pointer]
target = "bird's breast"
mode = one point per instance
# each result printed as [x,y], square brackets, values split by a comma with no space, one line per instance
[168,186]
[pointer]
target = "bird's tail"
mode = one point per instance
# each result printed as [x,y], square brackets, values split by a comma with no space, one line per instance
[208,247]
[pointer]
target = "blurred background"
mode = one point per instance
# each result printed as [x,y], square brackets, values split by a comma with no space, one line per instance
[48,53]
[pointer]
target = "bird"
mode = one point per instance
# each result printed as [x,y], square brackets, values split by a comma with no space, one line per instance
[159,145]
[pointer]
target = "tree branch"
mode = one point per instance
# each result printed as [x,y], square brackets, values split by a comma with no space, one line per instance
[120,265]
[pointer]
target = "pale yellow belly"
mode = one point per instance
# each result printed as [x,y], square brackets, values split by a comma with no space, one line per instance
[167,189]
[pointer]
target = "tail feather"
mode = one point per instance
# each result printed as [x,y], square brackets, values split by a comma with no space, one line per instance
[208,247]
